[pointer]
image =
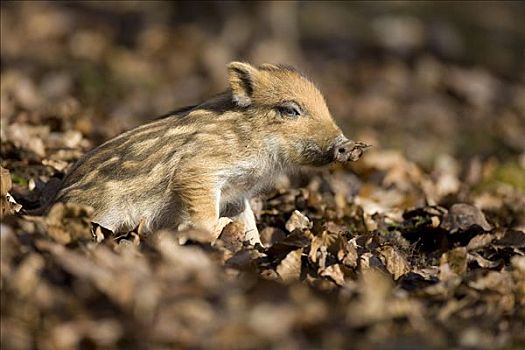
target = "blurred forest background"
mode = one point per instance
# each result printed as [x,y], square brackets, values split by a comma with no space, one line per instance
[423,77]
[418,245]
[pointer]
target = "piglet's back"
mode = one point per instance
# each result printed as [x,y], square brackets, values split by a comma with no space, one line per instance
[134,164]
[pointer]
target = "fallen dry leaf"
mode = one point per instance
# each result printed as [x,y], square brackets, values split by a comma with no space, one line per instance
[5,181]
[453,263]
[394,261]
[463,216]
[297,221]
[69,222]
[290,267]
[233,236]
[333,272]
[480,241]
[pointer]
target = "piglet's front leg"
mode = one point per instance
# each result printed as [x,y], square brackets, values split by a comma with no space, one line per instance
[202,203]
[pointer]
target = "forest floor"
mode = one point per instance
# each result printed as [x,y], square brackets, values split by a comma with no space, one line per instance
[379,254]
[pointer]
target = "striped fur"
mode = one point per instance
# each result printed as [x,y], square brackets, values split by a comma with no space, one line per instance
[187,167]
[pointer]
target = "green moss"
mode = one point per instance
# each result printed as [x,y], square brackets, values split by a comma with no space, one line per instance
[19,180]
[510,173]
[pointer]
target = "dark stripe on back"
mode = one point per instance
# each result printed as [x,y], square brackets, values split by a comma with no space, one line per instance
[179,112]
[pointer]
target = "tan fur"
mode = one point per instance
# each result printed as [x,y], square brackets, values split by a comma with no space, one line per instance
[191,167]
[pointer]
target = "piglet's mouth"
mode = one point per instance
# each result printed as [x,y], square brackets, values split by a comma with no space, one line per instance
[350,151]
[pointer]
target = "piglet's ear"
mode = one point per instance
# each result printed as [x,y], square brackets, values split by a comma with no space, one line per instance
[242,78]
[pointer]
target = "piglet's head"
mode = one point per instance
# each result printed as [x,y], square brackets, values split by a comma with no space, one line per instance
[291,113]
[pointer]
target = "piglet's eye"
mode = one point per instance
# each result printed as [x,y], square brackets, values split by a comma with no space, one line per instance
[289,110]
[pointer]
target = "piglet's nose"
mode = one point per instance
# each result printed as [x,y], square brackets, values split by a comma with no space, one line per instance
[349,150]
[343,150]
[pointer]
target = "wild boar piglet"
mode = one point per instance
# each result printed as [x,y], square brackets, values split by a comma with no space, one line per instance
[206,161]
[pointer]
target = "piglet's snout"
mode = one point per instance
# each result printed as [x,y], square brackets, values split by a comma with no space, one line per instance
[348,150]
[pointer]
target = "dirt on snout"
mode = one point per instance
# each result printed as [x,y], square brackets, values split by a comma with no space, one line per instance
[357,152]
